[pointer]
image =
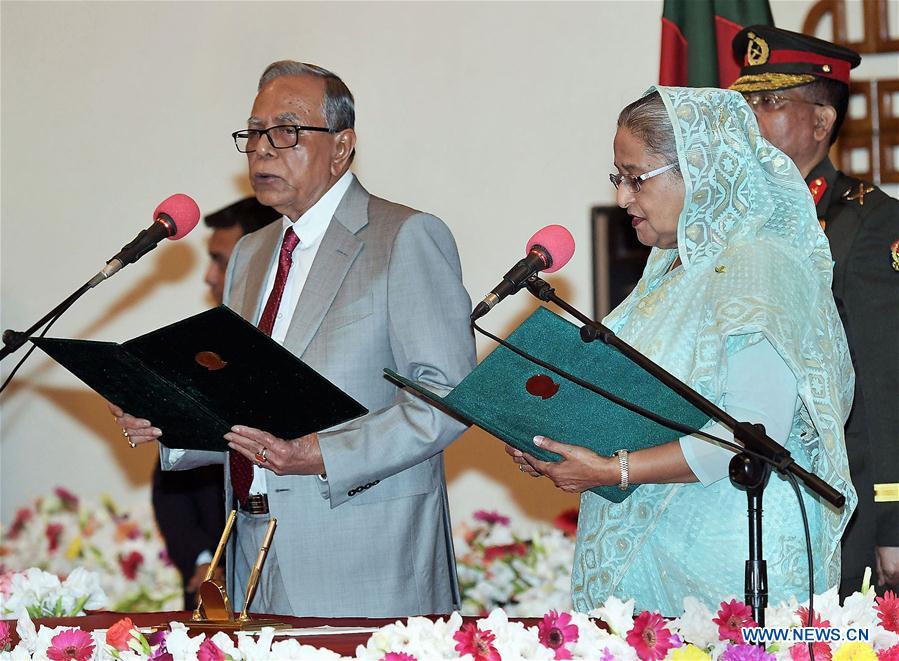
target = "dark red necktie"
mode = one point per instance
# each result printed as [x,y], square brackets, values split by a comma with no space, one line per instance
[241,468]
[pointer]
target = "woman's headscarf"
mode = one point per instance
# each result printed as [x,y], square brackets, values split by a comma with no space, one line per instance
[756,265]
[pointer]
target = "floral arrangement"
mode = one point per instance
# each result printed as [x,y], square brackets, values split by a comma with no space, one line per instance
[525,574]
[695,636]
[42,594]
[59,534]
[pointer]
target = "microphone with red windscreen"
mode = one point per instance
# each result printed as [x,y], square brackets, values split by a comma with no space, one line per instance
[548,251]
[173,218]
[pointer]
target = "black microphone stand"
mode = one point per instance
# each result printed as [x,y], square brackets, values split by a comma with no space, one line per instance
[13,340]
[748,472]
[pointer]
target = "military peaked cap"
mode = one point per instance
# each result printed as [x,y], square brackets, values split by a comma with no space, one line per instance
[775,59]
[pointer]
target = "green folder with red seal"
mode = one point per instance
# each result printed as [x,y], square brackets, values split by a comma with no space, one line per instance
[515,399]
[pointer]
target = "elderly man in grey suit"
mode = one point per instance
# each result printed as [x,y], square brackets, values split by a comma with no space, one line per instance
[351,284]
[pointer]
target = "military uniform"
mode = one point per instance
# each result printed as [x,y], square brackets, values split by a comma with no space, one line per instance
[862,223]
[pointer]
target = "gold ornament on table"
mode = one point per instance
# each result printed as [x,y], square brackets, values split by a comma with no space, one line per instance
[214,611]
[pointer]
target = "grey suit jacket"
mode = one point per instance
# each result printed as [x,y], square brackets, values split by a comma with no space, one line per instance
[384,290]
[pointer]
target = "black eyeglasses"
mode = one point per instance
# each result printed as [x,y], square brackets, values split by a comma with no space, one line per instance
[768,101]
[283,136]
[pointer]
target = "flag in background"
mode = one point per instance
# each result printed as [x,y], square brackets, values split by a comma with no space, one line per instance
[696,37]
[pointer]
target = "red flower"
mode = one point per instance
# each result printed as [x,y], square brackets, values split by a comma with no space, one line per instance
[555,631]
[649,637]
[71,644]
[209,651]
[5,636]
[731,618]
[23,516]
[891,654]
[888,611]
[68,499]
[119,634]
[802,613]
[472,640]
[491,517]
[130,564]
[491,553]
[53,533]
[567,521]
[398,656]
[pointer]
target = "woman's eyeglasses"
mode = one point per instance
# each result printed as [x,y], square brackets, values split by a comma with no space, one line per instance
[632,182]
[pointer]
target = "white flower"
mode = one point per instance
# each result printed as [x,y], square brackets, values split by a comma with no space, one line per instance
[695,625]
[82,583]
[619,615]
[256,649]
[180,645]
[782,615]
[512,639]
[291,649]
[614,647]
[25,629]
[225,644]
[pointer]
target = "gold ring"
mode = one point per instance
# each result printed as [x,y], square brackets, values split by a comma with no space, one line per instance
[125,433]
[260,456]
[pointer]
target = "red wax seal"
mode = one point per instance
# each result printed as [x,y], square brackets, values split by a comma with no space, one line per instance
[541,385]
[210,360]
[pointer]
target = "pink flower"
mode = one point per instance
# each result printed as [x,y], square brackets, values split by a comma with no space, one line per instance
[745,652]
[6,583]
[491,517]
[649,637]
[5,636]
[68,499]
[23,516]
[130,564]
[555,631]
[799,652]
[71,644]
[888,611]
[53,532]
[567,521]
[209,651]
[398,656]
[472,640]
[731,618]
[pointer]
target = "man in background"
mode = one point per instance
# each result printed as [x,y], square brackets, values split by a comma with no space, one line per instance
[188,504]
[228,226]
[799,88]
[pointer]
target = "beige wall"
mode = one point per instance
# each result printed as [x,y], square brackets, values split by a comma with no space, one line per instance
[496,116]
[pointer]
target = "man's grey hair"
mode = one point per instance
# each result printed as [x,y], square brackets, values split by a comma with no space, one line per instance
[648,120]
[338,106]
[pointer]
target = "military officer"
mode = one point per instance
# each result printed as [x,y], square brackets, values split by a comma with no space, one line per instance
[799,88]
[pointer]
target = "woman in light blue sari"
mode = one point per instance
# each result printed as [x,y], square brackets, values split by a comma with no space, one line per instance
[735,301]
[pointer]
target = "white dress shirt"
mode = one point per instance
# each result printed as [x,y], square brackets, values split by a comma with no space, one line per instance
[310,228]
